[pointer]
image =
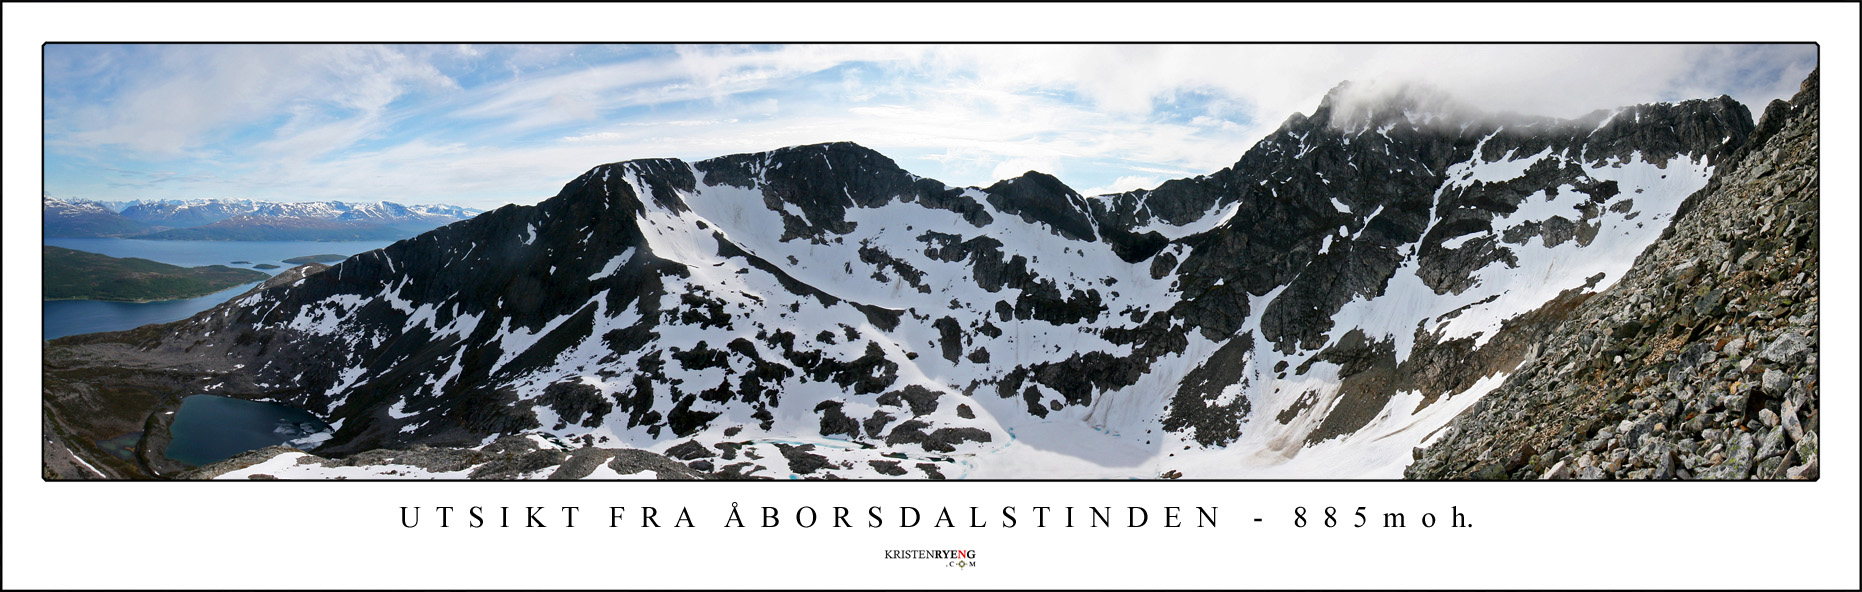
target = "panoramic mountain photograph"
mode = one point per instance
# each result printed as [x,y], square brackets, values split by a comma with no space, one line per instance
[931,261]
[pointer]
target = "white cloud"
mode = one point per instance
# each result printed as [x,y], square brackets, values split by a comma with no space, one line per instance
[1221,124]
[690,73]
[1123,184]
[192,96]
[290,120]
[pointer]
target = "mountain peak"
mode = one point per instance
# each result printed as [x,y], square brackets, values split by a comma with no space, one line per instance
[840,146]
[1038,196]
[1034,181]
[1360,106]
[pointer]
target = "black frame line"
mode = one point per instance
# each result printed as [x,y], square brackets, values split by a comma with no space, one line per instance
[42,162]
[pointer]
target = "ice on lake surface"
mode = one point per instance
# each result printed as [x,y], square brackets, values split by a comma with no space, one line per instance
[211,428]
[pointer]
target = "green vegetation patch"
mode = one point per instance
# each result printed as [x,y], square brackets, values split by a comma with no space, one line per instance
[77,275]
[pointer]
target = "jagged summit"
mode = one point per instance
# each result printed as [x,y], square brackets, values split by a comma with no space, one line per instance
[1041,197]
[1035,181]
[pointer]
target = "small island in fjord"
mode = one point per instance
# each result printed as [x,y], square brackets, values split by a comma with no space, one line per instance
[315,259]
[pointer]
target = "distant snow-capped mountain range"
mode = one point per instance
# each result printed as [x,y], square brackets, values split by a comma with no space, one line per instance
[244,219]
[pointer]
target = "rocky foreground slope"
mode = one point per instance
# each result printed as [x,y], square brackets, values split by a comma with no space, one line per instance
[1702,363]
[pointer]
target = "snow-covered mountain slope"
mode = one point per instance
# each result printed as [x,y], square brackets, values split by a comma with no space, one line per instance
[186,213]
[1316,310]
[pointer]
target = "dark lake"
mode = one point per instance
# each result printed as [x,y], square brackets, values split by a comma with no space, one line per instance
[71,317]
[211,428]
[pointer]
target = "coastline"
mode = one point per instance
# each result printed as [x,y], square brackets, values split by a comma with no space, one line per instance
[191,297]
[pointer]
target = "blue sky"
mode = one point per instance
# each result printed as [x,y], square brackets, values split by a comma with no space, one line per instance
[484,125]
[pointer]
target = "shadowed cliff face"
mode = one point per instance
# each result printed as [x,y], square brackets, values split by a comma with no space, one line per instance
[1345,277]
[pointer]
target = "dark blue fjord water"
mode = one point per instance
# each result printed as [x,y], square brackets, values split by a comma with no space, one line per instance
[211,428]
[72,317]
[197,253]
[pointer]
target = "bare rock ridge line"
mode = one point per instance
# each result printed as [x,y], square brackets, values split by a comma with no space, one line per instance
[1354,282]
